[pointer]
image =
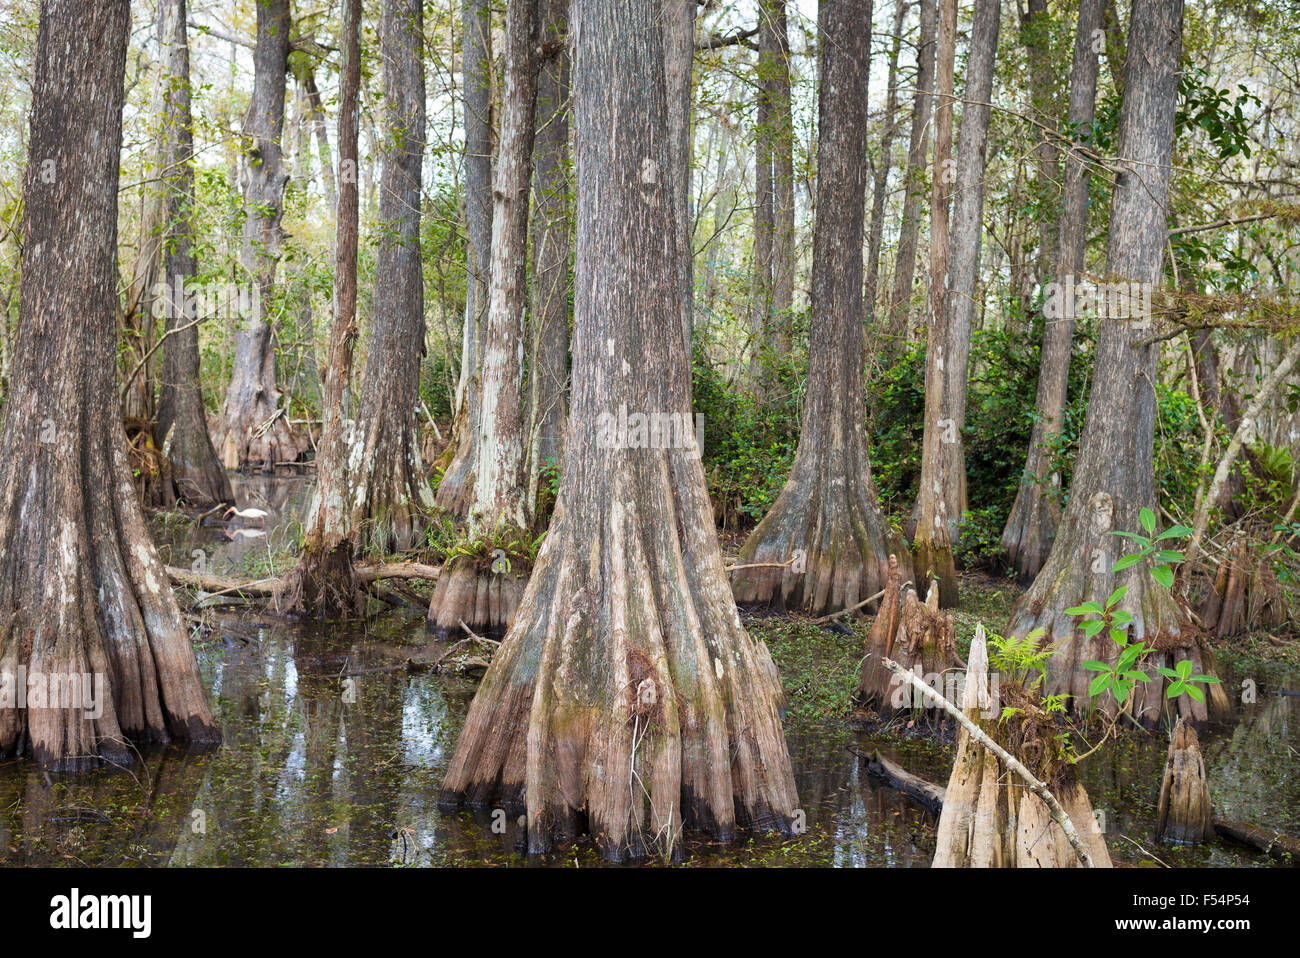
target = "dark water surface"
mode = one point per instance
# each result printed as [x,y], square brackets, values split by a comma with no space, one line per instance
[332,757]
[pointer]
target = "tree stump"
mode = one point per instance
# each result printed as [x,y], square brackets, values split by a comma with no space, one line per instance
[989,819]
[1183,813]
[470,595]
[1246,595]
[917,636]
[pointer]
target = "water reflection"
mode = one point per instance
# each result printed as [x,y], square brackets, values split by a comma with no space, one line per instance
[333,755]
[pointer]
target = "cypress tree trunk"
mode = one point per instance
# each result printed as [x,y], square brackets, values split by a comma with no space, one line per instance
[942,500]
[1036,35]
[548,368]
[182,426]
[323,581]
[627,699]
[826,531]
[1031,526]
[885,161]
[1114,474]
[254,430]
[909,230]
[456,488]
[500,494]
[83,594]
[774,185]
[389,493]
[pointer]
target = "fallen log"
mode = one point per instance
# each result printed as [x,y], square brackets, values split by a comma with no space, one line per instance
[366,574]
[1274,844]
[927,793]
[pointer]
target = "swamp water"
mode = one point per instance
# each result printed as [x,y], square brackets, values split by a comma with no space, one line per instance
[315,771]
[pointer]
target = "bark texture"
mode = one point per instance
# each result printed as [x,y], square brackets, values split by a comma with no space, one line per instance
[1036,512]
[181,429]
[390,495]
[627,698]
[1114,473]
[825,544]
[942,502]
[83,595]
[255,430]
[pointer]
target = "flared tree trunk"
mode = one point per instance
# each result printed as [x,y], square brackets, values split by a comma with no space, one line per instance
[552,227]
[1114,474]
[942,500]
[1036,512]
[196,474]
[456,488]
[254,430]
[825,545]
[909,230]
[86,602]
[390,495]
[627,698]
[323,581]
[500,494]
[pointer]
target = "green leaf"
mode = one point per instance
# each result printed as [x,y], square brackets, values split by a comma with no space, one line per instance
[1096,666]
[1077,610]
[1130,535]
[1196,693]
[1116,596]
[1169,555]
[1174,532]
[1137,674]
[1167,673]
[1175,690]
[1125,561]
[1121,619]
[1100,684]
[1207,679]
[1119,637]
[1184,668]
[1164,575]
[1129,656]
[1092,627]
[1148,520]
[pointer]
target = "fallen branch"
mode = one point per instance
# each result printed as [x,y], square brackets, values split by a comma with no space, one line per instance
[1038,788]
[836,615]
[365,574]
[927,793]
